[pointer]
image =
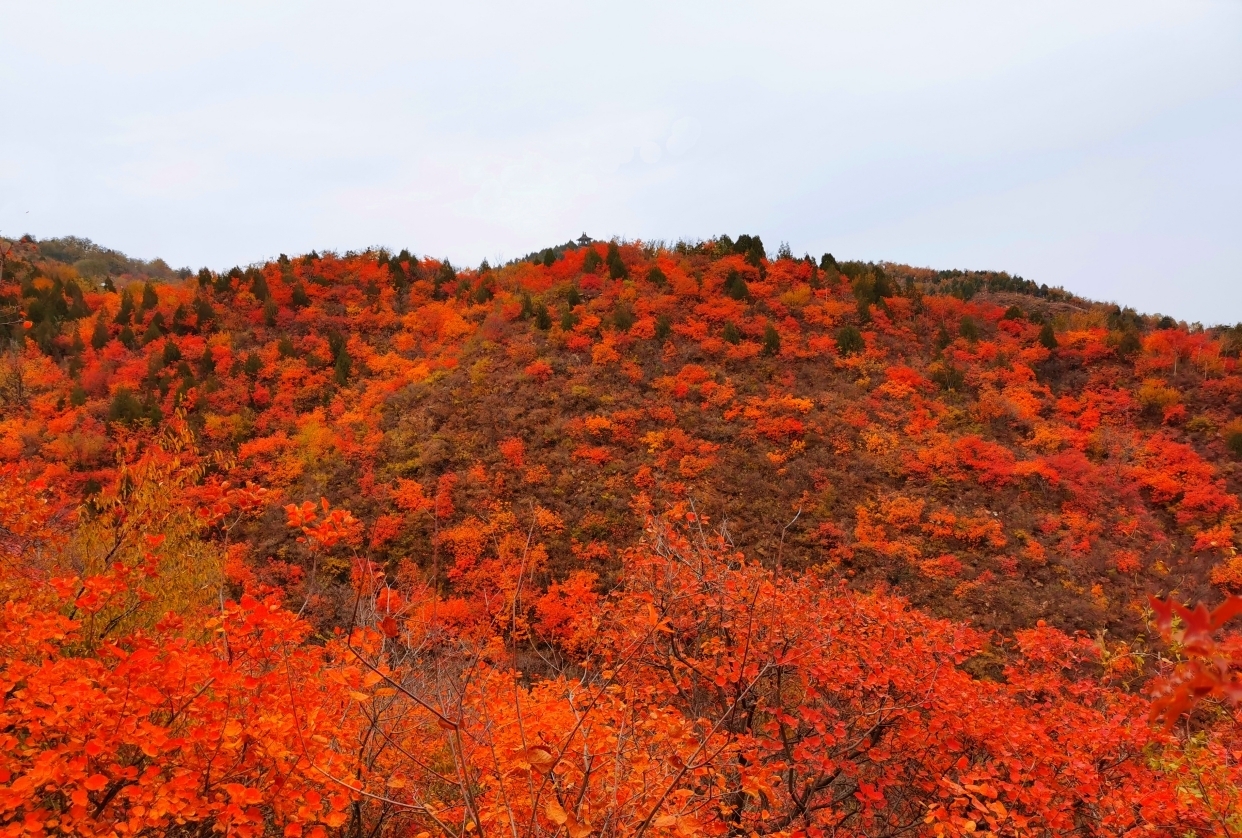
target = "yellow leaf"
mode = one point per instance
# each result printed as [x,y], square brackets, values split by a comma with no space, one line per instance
[556,813]
[540,758]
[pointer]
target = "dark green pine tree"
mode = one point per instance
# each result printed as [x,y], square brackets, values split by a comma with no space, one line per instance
[344,365]
[850,340]
[735,286]
[1048,336]
[771,341]
[616,268]
[100,337]
[125,315]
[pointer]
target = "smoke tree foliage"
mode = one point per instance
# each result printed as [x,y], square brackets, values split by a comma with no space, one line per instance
[616,539]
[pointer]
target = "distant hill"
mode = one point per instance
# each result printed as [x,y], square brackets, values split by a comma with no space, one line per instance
[95,262]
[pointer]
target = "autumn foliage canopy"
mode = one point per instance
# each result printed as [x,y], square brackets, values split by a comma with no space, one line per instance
[618,539]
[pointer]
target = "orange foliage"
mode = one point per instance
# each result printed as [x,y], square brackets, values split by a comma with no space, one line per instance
[485,625]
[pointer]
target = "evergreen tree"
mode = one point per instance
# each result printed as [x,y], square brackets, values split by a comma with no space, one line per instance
[735,286]
[150,299]
[446,275]
[616,268]
[258,286]
[344,365]
[151,411]
[1048,337]
[125,315]
[771,341]
[205,313]
[850,340]
[400,282]
[224,283]
[300,299]
[181,321]
[152,333]
[1233,437]
[949,377]
[623,317]
[751,247]
[1129,343]
[100,337]
[336,344]
[731,334]
[78,308]
[125,407]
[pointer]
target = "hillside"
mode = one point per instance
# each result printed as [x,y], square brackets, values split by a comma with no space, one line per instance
[992,469]
[914,427]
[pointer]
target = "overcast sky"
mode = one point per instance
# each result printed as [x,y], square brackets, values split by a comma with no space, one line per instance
[1094,145]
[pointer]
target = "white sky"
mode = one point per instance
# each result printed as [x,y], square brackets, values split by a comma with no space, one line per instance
[1095,145]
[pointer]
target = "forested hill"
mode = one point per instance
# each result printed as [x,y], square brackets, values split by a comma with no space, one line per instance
[994,449]
[614,539]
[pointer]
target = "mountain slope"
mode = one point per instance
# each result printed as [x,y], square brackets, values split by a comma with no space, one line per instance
[617,539]
[992,454]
